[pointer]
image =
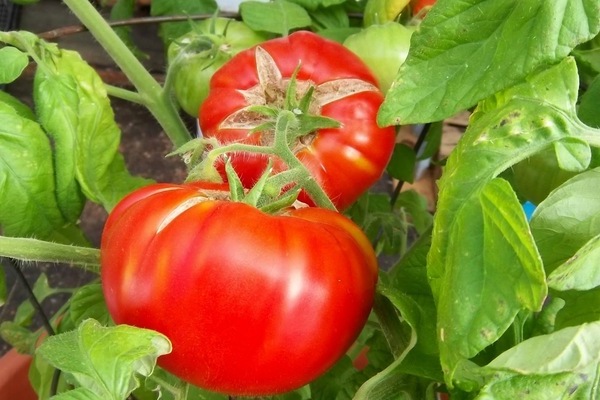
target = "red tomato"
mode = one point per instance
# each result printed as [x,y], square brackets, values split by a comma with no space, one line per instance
[254,304]
[421,6]
[345,161]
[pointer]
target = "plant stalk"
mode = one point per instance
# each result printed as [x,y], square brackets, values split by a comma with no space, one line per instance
[26,249]
[156,100]
[283,150]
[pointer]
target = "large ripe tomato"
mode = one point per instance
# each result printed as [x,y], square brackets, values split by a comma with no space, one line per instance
[345,161]
[253,303]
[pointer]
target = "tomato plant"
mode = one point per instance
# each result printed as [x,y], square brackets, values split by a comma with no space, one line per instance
[344,160]
[202,51]
[472,297]
[259,305]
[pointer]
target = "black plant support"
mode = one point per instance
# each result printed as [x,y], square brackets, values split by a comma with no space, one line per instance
[34,301]
[40,310]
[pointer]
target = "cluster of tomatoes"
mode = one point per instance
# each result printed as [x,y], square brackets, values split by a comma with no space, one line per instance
[258,303]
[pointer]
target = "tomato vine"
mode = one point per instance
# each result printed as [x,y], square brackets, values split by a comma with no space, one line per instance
[468,295]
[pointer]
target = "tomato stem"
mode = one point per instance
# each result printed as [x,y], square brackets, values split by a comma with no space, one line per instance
[154,97]
[286,125]
[27,249]
[285,121]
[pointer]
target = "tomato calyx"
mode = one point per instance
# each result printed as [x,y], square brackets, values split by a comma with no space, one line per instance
[273,191]
[305,98]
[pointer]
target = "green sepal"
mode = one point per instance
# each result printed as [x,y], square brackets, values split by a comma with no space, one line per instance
[235,184]
[256,193]
[284,201]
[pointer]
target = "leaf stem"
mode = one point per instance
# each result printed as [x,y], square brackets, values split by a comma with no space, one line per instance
[124,94]
[27,249]
[159,104]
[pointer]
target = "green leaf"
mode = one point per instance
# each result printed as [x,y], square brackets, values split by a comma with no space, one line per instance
[27,182]
[579,272]
[58,110]
[12,63]
[20,39]
[170,31]
[567,219]
[544,322]
[41,375]
[408,278]
[534,178]
[333,17]
[88,302]
[588,60]
[389,384]
[20,108]
[411,357]
[106,362]
[402,164]
[177,389]
[407,289]
[416,207]
[477,223]
[278,16]
[338,34]
[588,104]
[541,173]
[492,275]
[334,385]
[73,107]
[466,51]
[19,337]
[560,365]
[567,350]
[556,86]
[384,227]
[312,5]
[580,307]
[573,154]
[80,393]
[564,386]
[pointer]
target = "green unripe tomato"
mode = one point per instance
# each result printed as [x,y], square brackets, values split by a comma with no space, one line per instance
[383,48]
[195,56]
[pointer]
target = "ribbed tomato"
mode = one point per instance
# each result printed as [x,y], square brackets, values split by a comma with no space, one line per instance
[253,303]
[345,161]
